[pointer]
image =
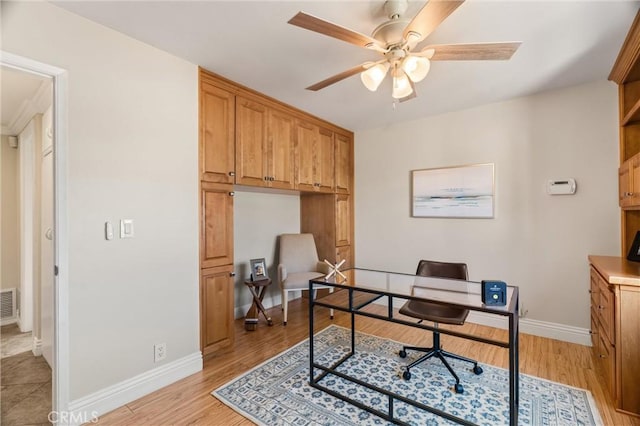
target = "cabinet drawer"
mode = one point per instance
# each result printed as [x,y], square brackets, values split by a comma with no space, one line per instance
[594,289]
[594,330]
[607,357]
[606,311]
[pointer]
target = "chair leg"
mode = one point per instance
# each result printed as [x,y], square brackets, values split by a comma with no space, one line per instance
[285,306]
[331,310]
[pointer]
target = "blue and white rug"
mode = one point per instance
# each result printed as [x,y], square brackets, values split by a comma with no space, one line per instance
[277,391]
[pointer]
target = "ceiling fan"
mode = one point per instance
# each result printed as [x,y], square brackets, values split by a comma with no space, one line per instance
[397,40]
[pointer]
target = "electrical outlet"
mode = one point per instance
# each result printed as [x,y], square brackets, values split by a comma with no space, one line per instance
[159,352]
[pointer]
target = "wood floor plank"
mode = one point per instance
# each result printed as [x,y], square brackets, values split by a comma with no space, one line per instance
[188,401]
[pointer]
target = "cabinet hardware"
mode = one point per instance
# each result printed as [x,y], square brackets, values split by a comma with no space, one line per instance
[602,356]
[232,173]
[231,194]
[232,274]
[272,178]
[628,194]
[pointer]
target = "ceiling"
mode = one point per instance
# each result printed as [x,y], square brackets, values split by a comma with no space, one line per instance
[563,43]
[23,94]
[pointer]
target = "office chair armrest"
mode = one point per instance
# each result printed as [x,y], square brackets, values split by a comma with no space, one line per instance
[282,273]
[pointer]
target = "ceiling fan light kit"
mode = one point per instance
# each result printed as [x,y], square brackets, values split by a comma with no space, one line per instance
[396,39]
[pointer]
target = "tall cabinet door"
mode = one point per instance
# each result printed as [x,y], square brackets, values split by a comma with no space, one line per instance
[280,150]
[251,141]
[305,147]
[217,134]
[324,161]
[343,220]
[216,308]
[343,147]
[216,228]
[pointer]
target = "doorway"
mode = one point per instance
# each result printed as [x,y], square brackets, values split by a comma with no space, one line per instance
[47,217]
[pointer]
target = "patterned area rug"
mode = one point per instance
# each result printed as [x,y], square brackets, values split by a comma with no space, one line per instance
[277,392]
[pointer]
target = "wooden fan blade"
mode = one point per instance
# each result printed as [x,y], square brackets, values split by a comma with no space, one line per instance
[312,23]
[473,51]
[338,77]
[430,16]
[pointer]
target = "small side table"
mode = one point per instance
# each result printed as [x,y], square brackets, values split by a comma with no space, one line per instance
[257,289]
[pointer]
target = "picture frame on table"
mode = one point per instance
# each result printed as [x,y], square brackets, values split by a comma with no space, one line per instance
[258,269]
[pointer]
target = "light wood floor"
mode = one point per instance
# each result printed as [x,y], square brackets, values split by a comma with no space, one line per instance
[189,401]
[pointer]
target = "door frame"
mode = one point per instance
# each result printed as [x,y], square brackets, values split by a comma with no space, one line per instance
[59,76]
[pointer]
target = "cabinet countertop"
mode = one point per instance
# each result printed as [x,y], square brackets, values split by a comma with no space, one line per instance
[617,270]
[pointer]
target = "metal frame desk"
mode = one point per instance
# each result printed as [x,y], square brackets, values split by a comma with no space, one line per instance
[363,287]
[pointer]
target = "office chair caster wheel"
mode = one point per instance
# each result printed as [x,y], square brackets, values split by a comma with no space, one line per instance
[406,375]
[402,353]
[477,370]
[458,388]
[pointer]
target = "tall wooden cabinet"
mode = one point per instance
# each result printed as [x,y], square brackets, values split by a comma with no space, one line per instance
[626,73]
[615,281]
[217,175]
[248,139]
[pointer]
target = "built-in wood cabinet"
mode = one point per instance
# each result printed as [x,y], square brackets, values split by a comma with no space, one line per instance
[626,73]
[216,308]
[314,158]
[264,145]
[217,134]
[329,218]
[248,139]
[615,327]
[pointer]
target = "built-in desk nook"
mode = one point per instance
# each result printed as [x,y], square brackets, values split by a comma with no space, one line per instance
[615,327]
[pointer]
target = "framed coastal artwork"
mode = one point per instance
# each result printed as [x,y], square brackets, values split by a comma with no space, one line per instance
[458,191]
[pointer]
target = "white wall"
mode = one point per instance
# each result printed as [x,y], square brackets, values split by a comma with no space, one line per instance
[132,153]
[259,218]
[10,243]
[536,241]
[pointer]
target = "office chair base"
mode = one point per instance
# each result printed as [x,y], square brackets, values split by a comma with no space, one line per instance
[439,353]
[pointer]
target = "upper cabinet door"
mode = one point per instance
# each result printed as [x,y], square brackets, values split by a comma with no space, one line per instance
[217,137]
[324,161]
[306,135]
[280,148]
[344,166]
[251,142]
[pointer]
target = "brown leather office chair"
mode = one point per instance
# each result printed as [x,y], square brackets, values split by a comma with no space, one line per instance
[437,314]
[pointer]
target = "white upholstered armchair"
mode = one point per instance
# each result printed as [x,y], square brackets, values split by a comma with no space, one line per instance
[298,264]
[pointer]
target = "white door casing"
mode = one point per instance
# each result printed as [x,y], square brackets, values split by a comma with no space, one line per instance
[46,239]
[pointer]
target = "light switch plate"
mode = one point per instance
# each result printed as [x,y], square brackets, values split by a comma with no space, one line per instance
[126,228]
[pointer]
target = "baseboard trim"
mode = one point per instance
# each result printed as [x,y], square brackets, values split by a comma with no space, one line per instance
[550,330]
[7,321]
[112,397]
[37,346]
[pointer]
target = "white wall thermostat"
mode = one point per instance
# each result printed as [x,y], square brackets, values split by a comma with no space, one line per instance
[561,187]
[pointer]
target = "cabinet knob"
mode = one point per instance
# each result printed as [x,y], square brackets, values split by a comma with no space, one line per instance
[272,178]
[628,194]
[232,274]
[232,173]
[600,307]
[231,193]
[602,356]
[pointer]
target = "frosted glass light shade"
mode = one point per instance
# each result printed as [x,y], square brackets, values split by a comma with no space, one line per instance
[372,77]
[401,86]
[416,67]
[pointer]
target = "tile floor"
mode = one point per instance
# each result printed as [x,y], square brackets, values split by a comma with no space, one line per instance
[25,386]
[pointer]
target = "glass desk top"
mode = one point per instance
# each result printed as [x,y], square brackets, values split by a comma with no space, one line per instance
[448,291]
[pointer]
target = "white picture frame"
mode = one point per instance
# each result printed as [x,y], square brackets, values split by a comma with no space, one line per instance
[454,192]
